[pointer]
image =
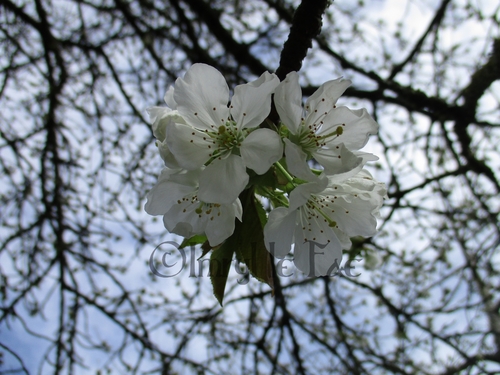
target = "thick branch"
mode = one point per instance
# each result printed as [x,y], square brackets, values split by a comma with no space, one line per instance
[306,25]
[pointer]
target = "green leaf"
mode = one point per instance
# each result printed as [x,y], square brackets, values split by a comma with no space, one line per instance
[261,212]
[205,249]
[249,240]
[220,263]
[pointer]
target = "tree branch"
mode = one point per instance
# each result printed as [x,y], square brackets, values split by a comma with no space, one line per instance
[306,25]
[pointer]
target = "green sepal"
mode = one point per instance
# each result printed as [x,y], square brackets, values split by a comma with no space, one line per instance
[267,179]
[193,241]
[357,248]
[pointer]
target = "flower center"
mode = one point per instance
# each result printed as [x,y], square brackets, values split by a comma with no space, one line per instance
[308,139]
[323,206]
[227,139]
[209,209]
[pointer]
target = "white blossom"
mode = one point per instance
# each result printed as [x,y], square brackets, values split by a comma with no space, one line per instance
[207,147]
[175,196]
[224,139]
[321,218]
[323,131]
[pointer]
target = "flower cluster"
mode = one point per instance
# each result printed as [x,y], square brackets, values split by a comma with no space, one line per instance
[213,151]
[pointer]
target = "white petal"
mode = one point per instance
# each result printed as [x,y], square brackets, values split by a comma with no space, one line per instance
[169,98]
[188,146]
[261,149]
[355,217]
[296,161]
[344,239]
[341,161]
[202,89]
[187,177]
[155,115]
[288,101]
[278,232]
[313,260]
[183,220]
[302,193]
[165,193]
[220,224]
[356,204]
[223,180]
[156,112]
[317,250]
[364,182]
[358,127]
[251,102]
[182,229]
[164,117]
[352,163]
[324,98]
[167,156]
[238,209]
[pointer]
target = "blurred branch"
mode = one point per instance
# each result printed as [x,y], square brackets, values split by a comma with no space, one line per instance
[482,79]
[434,25]
[241,52]
[479,83]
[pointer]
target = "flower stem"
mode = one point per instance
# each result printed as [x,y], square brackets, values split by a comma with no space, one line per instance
[284,171]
